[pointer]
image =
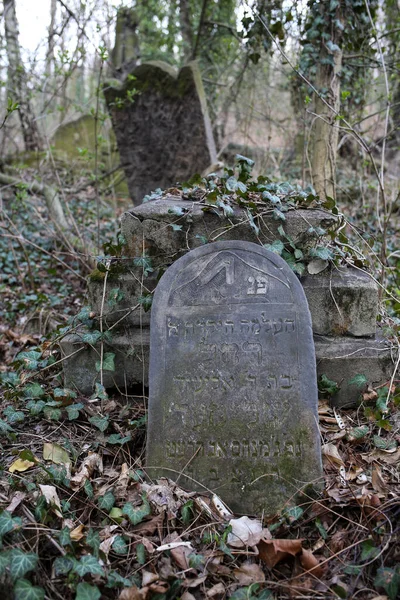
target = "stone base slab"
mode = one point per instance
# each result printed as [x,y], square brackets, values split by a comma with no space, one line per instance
[339,358]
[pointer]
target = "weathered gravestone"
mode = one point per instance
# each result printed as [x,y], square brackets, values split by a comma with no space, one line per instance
[233,389]
[162,126]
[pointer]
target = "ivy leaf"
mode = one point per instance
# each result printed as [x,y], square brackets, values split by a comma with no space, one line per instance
[357,433]
[93,540]
[293,514]
[52,412]
[107,501]
[63,565]
[136,515]
[88,564]
[100,392]
[175,227]
[30,359]
[146,301]
[73,411]
[114,579]
[231,184]
[187,512]
[332,47]
[359,381]
[327,386]
[100,422]
[108,362]
[33,390]
[141,554]
[369,550]
[389,580]
[35,407]
[64,537]
[120,546]
[322,252]
[114,296]
[64,393]
[13,416]
[4,427]
[176,210]
[21,562]
[384,443]
[4,562]
[116,438]
[87,486]
[24,590]
[85,591]
[8,523]
[91,337]
[278,215]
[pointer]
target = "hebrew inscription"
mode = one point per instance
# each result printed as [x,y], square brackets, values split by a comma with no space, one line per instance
[233,394]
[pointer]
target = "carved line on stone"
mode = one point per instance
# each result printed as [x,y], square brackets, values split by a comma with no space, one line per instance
[199,276]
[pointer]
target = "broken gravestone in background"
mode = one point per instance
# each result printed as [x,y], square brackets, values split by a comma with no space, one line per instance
[233,386]
[162,126]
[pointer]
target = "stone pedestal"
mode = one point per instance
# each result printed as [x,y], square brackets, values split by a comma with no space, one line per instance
[343,301]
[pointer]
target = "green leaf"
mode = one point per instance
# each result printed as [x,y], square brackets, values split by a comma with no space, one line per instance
[91,337]
[353,569]
[4,562]
[52,412]
[5,428]
[63,565]
[384,443]
[293,514]
[24,590]
[176,210]
[88,564]
[64,537]
[187,512]
[100,422]
[114,579]
[33,390]
[278,215]
[357,433]
[231,184]
[64,393]
[389,580]
[114,296]
[35,407]
[85,591]
[322,531]
[107,501]
[120,546]
[73,410]
[100,392]
[116,438]
[22,562]
[368,550]
[196,560]
[359,381]
[175,227]
[146,301]
[8,523]
[136,515]
[322,252]
[30,359]
[327,386]
[108,362]
[141,554]
[88,489]
[93,540]
[13,416]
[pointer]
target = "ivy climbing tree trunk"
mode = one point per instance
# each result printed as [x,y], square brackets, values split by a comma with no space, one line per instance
[17,87]
[186,29]
[325,130]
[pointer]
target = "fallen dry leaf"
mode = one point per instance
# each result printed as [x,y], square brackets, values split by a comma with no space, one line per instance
[273,551]
[77,534]
[310,563]
[20,465]
[52,499]
[217,591]
[187,596]
[16,500]
[180,555]
[120,488]
[92,461]
[131,593]
[245,532]
[332,454]
[55,454]
[381,456]
[249,573]
[378,483]
[148,577]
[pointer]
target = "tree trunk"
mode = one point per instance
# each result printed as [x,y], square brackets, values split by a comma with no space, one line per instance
[326,131]
[186,29]
[17,83]
[51,38]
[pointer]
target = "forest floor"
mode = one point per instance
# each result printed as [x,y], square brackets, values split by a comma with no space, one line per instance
[80,516]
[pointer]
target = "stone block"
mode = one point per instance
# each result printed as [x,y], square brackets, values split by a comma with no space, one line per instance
[339,358]
[342,358]
[131,361]
[149,228]
[342,301]
[122,298]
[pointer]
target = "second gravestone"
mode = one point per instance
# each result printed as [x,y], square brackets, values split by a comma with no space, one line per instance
[233,390]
